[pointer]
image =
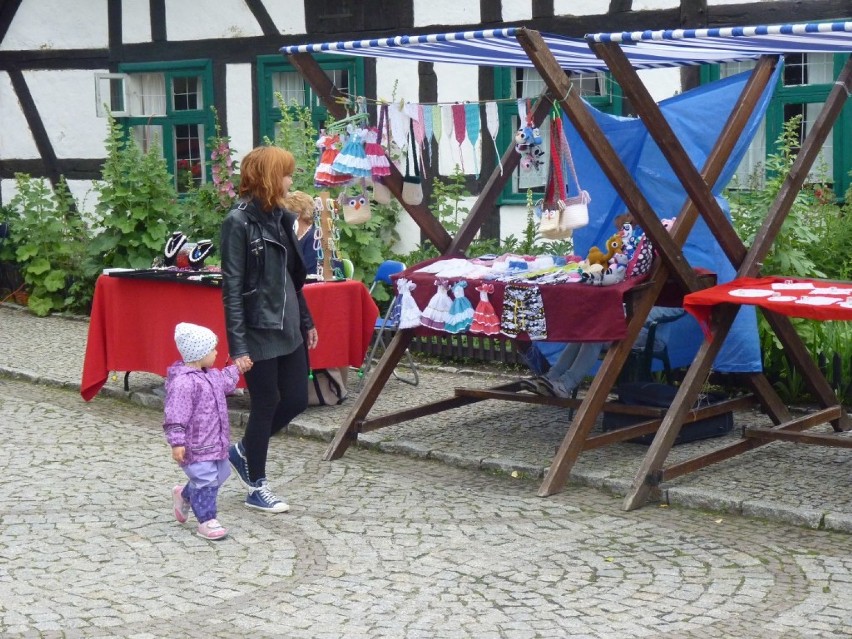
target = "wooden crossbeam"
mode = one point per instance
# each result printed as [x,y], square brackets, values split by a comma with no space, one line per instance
[669,245]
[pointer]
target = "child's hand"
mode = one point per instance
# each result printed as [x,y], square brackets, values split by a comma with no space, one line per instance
[178,453]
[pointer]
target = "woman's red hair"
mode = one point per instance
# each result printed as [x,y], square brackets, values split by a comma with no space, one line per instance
[262,173]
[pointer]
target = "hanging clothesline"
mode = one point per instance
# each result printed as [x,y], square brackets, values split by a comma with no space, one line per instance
[352,98]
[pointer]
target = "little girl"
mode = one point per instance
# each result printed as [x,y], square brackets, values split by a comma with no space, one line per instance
[196,425]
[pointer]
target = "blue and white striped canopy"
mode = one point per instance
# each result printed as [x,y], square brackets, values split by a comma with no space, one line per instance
[644,49]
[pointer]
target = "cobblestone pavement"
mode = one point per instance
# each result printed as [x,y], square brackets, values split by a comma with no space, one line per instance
[803,485]
[375,545]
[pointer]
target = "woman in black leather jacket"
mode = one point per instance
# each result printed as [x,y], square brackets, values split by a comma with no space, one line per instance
[266,317]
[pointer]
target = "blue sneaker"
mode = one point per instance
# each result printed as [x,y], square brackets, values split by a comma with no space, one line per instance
[237,457]
[260,497]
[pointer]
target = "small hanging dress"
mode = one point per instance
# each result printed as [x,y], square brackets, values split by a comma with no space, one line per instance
[461,311]
[484,318]
[352,158]
[436,313]
[324,174]
[379,165]
[409,312]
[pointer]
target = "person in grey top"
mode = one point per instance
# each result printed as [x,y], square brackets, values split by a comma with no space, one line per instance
[267,320]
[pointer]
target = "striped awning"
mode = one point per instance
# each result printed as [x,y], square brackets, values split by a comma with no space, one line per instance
[644,49]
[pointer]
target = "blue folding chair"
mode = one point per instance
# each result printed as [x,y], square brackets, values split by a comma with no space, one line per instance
[384,324]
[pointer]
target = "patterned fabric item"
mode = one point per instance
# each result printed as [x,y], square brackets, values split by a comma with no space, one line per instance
[523,311]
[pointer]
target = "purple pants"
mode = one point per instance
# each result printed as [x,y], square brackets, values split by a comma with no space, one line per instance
[205,478]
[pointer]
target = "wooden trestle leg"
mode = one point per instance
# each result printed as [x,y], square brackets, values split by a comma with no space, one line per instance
[348,431]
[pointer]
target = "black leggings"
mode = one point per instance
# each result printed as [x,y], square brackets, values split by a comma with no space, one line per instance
[278,389]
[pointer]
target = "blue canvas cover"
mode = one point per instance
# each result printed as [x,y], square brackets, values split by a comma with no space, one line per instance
[697,118]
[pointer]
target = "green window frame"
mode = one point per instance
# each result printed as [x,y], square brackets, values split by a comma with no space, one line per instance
[269,77]
[505,91]
[789,99]
[179,121]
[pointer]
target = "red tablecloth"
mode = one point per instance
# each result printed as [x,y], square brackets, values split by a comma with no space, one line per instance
[133,321]
[573,312]
[787,296]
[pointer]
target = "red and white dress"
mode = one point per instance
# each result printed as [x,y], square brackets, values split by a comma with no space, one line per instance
[325,175]
[485,320]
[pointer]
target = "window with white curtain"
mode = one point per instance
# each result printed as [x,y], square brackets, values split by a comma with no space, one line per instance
[167,112]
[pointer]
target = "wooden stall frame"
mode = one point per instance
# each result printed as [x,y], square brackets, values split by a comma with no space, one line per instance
[672,264]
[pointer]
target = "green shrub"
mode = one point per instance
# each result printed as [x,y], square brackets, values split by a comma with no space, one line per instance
[47,239]
[137,207]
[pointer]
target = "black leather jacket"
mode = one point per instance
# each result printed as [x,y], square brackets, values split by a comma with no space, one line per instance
[252,286]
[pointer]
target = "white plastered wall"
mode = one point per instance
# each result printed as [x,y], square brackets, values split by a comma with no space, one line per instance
[225,19]
[16,140]
[135,21]
[514,11]
[66,102]
[585,8]
[239,112]
[446,12]
[289,17]
[58,24]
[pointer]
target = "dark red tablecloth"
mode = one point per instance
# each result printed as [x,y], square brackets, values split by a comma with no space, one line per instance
[133,321]
[574,312]
[701,303]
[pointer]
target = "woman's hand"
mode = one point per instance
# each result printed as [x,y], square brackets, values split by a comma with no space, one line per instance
[313,338]
[243,363]
[178,453]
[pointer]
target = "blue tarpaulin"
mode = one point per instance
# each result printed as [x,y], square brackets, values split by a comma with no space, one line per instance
[697,118]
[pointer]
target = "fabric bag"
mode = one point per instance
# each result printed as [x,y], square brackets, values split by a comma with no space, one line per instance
[575,212]
[356,208]
[328,387]
[381,193]
[412,188]
[550,227]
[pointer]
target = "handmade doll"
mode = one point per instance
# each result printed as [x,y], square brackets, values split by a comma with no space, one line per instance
[484,318]
[409,312]
[461,310]
[436,313]
[325,175]
[352,158]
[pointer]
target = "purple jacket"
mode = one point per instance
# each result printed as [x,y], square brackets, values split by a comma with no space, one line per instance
[196,413]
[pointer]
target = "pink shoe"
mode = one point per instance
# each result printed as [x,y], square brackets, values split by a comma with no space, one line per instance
[180,504]
[212,530]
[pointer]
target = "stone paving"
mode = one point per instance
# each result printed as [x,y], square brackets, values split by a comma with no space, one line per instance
[447,539]
[375,545]
[803,485]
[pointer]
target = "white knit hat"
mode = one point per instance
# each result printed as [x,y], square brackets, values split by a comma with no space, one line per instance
[194,342]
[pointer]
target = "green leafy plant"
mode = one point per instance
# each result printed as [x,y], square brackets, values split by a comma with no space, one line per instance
[48,241]
[204,207]
[138,205]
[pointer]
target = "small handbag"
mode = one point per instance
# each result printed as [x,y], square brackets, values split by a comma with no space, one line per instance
[412,188]
[381,193]
[356,208]
[575,213]
[550,227]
